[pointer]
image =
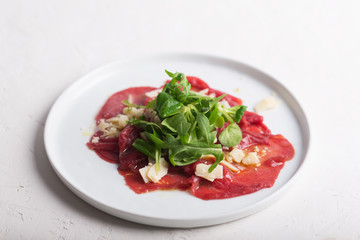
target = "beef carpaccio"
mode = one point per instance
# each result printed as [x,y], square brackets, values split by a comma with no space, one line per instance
[113,142]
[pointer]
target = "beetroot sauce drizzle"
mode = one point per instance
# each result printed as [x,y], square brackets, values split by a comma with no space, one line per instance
[251,179]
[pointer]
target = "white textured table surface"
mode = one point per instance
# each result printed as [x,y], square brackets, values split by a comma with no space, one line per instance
[312,47]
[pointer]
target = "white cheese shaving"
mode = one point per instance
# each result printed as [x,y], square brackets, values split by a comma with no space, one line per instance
[267,103]
[111,127]
[251,159]
[208,157]
[95,140]
[111,132]
[230,166]
[237,155]
[120,121]
[227,157]
[224,104]
[143,172]
[133,112]
[153,93]
[203,92]
[102,125]
[130,99]
[148,173]
[202,170]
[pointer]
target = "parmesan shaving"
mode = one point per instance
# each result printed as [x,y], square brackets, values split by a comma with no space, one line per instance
[153,93]
[266,104]
[202,170]
[251,159]
[133,112]
[224,104]
[130,99]
[203,92]
[230,166]
[111,127]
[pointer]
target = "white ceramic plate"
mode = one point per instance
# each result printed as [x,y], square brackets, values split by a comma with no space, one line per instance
[99,183]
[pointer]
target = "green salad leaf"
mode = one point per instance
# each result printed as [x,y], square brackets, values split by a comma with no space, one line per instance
[167,105]
[204,129]
[231,135]
[177,124]
[178,87]
[181,154]
[145,147]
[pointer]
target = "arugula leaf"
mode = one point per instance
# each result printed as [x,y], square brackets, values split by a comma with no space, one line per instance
[177,123]
[166,105]
[183,154]
[170,74]
[239,113]
[157,141]
[231,135]
[157,159]
[235,112]
[189,113]
[179,87]
[204,129]
[185,85]
[151,104]
[213,166]
[205,104]
[145,147]
[194,97]
[142,123]
[148,126]
[214,115]
[150,150]
[226,116]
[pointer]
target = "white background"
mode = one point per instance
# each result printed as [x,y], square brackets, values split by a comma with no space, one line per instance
[312,47]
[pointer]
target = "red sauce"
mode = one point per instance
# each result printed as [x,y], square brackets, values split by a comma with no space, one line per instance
[273,151]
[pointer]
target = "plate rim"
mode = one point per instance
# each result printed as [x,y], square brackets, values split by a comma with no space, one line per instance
[184,223]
